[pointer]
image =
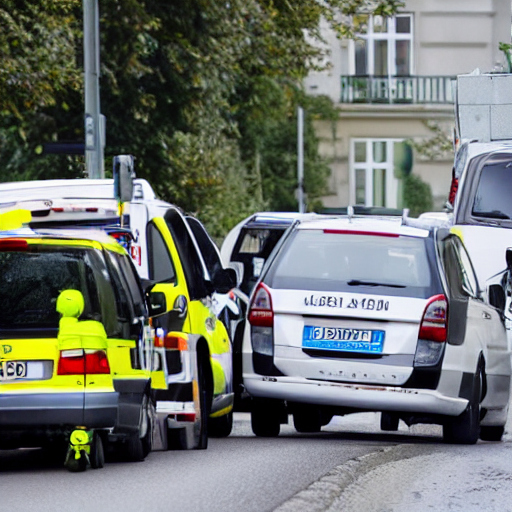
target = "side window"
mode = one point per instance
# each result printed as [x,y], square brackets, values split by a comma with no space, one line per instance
[452,268]
[459,271]
[124,306]
[133,283]
[190,260]
[161,268]
[469,281]
[209,250]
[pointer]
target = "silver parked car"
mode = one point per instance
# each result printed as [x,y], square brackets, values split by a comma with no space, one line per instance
[362,314]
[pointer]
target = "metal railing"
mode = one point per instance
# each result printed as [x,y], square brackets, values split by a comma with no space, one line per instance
[397,89]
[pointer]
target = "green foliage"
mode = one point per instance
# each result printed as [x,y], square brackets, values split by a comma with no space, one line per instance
[506,48]
[437,145]
[417,195]
[203,93]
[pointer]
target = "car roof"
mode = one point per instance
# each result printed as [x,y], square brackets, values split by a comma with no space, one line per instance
[372,224]
[476,148]
[85,188]
[75,234]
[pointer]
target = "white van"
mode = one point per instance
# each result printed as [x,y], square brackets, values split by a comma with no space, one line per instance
[482,205]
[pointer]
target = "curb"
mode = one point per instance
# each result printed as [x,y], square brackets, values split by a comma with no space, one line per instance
[322,494]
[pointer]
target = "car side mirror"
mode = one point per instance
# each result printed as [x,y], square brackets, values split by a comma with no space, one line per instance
[157,304]
[508,257]
[225,280]
[497,298]
[123,177]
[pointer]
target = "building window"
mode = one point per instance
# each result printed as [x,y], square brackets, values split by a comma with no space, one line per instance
[383,46]
[372,180]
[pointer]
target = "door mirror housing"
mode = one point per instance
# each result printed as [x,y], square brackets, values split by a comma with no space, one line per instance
[124,174]
[157,304]
[508,257]
[224,280]
[496,296]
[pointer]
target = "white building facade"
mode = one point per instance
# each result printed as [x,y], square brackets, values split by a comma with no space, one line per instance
[394,80]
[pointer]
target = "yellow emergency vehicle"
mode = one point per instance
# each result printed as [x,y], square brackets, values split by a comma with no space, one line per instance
[192,374]
[75,344]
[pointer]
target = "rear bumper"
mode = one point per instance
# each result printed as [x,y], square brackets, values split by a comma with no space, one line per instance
[92,410]
[357,396]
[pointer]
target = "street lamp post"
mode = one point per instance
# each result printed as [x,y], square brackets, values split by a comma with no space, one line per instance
[94,123]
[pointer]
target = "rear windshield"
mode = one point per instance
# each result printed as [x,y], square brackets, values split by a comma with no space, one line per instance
[318,261]
[32,280]
[492,198]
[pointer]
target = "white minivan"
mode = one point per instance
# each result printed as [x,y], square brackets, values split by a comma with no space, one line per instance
[357,314]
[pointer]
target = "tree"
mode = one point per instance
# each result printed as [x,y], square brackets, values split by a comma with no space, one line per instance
[202,92]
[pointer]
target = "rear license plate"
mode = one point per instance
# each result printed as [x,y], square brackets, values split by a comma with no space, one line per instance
[343,340]
[10,370]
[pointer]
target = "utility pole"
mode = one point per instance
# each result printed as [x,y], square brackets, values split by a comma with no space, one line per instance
[94,122]
[300,158]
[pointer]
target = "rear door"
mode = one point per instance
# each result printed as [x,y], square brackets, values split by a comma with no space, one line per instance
[348,307]
[33,274]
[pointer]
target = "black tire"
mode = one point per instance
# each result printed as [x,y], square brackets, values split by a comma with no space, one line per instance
[138,444]
[97,455]
[491,433]
[389,421]
[221,426]
[465,429]
[147,438]
[201,427]
[307,419]
[265,418]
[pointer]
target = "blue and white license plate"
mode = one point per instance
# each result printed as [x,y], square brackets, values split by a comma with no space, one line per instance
[344,340]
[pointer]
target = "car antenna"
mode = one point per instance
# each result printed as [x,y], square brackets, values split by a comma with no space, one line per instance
[405,216]
[350,213]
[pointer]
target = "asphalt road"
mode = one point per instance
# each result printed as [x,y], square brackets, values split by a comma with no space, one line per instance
[239,473]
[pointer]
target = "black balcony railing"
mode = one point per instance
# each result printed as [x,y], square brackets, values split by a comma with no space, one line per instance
[396,89]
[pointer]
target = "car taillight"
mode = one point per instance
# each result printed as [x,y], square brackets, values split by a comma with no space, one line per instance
[261,313]
[80,362]
[71,362]
[453,190]
[96,362]
[434,322]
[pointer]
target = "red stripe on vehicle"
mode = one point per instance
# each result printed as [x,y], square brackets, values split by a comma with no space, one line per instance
[368,233]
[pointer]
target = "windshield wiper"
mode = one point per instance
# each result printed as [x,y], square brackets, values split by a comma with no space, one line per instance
[358,282]
[494,214]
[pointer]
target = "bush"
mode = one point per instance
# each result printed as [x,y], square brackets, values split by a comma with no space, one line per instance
[417,195]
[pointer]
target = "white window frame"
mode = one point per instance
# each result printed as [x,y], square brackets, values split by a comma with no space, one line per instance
[391,36]
[391,198]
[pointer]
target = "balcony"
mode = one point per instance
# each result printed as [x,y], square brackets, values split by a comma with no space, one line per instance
[397,89]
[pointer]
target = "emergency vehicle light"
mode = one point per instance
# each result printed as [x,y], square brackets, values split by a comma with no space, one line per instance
[171,341]
[13,244]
